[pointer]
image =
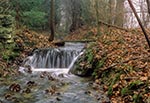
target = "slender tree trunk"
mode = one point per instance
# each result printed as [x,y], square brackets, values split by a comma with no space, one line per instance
[51,37]
[139,21]
[118,20]
[97,16]
[17,17]
[148,6]
[111,12]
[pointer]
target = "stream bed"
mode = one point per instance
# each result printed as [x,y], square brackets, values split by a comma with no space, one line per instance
[44,78]
[42,87]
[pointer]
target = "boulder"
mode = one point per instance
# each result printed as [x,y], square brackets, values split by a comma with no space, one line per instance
[82,67]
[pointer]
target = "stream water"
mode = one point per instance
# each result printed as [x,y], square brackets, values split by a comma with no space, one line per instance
[48,80]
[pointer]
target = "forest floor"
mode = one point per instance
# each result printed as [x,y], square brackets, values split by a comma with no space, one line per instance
[124,60]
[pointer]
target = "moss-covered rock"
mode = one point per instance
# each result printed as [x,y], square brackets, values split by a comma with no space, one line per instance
[83,67]
[87,64]
[6,21]
[6,28]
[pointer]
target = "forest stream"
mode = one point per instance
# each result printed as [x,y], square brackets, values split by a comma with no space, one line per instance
[45,78]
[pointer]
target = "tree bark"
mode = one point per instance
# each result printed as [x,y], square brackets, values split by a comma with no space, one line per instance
[148,6]
[139,21]
[17,17]
[51,37]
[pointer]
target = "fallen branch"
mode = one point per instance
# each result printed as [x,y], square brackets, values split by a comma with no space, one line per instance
[114,26]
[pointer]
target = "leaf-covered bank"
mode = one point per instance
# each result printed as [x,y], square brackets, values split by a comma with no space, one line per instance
[119,60]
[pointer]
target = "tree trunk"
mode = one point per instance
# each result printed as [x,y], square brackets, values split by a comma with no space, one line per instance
[139,21]
[148,6]
[17,17]
[119,13]
[51,37]
[111,12]
[76,15]
[97,16]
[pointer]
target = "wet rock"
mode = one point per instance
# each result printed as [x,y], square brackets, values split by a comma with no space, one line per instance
[31,83]
[8,96]
[81,68]
[51,90]
[59,43]
[28,69]
[43,74]
[88,92]
[58,93]
[27,90]
[51,78]
[58,99]
[15,87]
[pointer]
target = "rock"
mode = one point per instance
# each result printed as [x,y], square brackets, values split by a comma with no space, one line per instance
[82,67]
[6,21]
[59,43]
[6,31]
[15,87]
[86,64]
[58,99]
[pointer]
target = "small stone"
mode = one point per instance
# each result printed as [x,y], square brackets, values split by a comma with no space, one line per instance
[58,98]
[15,87]
[58,93]
[30,83]
[28,90]
[8,96]
[87,92]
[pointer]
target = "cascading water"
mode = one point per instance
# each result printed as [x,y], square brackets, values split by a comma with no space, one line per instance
[59,59]
[54,86]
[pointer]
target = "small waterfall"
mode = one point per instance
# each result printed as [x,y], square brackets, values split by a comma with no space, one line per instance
[55,59]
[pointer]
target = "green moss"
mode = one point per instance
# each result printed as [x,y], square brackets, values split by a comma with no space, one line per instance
[137,98]
[89,55]
[110,91]
[9,55]
[114,80]
[125,91]
[135,85]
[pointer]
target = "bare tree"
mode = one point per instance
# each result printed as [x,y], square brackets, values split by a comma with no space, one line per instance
[51,37]
[97,16]
[148,5]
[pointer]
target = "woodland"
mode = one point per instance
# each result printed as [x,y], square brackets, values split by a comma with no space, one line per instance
[117,48]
